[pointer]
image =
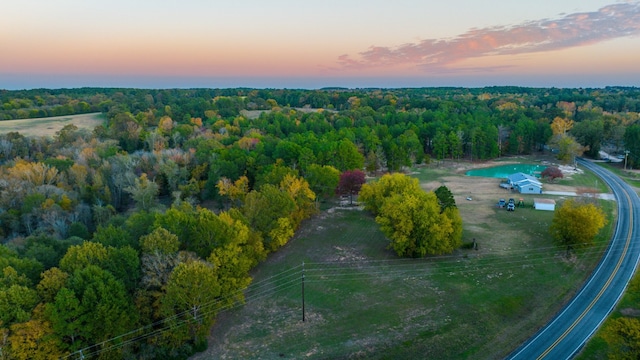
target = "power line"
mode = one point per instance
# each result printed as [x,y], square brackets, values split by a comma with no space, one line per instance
[286,275]
[339,271]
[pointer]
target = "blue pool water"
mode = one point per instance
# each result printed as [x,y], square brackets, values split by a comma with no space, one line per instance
[505,170]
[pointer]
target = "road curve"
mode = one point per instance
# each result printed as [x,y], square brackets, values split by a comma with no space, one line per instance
[570,329]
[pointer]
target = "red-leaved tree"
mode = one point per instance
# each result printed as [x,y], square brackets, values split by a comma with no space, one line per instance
[350,183]
[552,172]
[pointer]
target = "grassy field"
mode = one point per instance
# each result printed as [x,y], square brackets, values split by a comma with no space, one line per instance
[361,301]
[632,177]
[50,125]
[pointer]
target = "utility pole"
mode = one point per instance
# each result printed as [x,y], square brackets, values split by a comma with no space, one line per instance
[626,154]
[303,315]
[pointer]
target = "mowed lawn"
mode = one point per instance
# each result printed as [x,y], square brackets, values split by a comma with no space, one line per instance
[50,125]
[361,301]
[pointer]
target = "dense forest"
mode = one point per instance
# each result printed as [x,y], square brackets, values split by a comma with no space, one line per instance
[125,242]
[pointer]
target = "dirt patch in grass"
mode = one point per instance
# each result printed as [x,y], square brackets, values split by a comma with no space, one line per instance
[50,125]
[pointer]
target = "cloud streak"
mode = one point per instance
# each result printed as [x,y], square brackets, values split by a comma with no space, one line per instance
[441,55]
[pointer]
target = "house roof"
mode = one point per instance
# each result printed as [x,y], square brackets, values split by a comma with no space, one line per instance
[522,178]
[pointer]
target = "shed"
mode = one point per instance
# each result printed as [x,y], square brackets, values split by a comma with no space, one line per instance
[544,204]
[525,184]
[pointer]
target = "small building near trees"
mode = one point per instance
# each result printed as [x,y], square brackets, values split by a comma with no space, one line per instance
[544,204]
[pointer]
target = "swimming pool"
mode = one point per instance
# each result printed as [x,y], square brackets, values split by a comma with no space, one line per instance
[504,171]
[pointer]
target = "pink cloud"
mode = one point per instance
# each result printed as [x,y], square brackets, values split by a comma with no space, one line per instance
[571,30]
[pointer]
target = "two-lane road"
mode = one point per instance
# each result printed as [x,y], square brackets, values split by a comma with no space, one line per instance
[569,330]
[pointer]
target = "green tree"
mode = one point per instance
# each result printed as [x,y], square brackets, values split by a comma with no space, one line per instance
[347,156]
[92,308]
[440,145]
[568,148]
[160,241]
[454,141]
[179,220]
[81,256]
[124,264]
[190,302]
[576,224]
[632,144]
[232,261]
[16,303]
[322,180]
[445,198]
[590,134]
[115,236]
[263,210]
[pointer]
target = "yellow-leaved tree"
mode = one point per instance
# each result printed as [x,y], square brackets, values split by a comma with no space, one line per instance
[623,337]
[414,220]
[560,126]
[576,224]
[235,190]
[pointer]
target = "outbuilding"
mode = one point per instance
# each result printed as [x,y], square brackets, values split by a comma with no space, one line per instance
[544,204]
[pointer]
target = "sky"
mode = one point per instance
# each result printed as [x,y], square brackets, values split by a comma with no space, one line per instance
[314,44]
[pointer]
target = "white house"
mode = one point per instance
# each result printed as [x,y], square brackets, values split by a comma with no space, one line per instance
[525,184]
[544,204]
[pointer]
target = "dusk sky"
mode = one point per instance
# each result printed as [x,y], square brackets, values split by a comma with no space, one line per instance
[304,44]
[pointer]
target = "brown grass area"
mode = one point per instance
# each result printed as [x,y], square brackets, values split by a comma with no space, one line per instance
[50,125]
[479,214]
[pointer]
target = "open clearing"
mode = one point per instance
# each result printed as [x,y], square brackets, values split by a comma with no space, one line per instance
[50,125]
[362,302]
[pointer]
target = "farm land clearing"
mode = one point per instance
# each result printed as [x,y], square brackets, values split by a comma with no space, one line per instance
[50,125]
[361,301]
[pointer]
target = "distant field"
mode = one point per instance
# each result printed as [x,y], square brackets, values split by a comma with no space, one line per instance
[50,125]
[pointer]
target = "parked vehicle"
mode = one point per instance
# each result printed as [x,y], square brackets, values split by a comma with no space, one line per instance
[501,203]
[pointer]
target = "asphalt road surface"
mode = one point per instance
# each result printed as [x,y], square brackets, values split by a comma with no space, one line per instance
[570,329]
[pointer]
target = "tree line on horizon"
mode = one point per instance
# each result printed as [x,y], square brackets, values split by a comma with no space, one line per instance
[108,232]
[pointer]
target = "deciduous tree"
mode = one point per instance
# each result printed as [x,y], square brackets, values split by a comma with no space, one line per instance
[552,173]
[375,193]
[144,192]
[92,308]
[190,302]
[576,225]
[323,180]
[560,126]
[350,183]
[33,340]
[52,281]
[416,226]
[81,256]
[623,337]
